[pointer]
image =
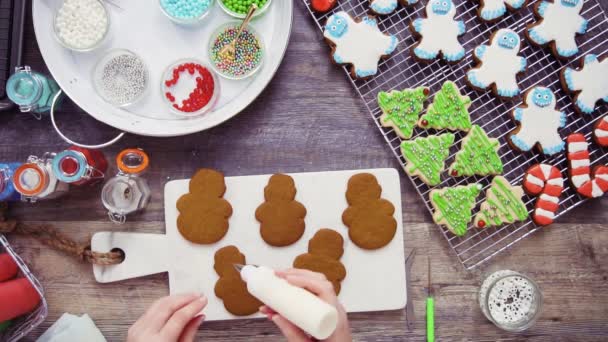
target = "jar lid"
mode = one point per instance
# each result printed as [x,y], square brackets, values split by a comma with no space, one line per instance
[132,161]
[70,166]
[23,88]
[30,179]
[123,195]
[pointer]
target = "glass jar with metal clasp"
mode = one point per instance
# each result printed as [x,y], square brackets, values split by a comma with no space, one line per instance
[127,192]
[80,166]
[35,179]
[8,192]
[31,91]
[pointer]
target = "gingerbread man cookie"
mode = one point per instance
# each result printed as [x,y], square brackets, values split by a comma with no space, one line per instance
[203,212]
[400,109]
[369,217]
[493,10]
[559,23]
[383,7]
[438,33]
[539,123]
[358,43]
[230,288]
[281,216]
[498,65]
[589,83]
[587,182]
[324,252]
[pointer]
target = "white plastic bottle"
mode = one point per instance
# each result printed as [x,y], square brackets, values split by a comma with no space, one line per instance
[302,308]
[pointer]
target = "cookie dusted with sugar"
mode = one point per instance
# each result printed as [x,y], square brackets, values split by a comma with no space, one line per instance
[449,110]
[589,83]
[503,205]
[559,23]
[539,123]
[546,182]
[425,157]
[384,7]
[498,65]
[453,206]
[493,10]
[438,33]
[358,43]
[587,182]
[400,109]
[478,155]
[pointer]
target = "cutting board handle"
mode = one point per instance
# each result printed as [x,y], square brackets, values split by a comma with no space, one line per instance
[145,254]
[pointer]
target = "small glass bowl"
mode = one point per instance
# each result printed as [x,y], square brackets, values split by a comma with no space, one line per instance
[87,49]
[235,25]
[98,72]
[234,14]
[168,75]
[190,21]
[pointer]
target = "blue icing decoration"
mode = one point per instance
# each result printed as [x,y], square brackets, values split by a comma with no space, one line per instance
[393,45]
[590,58]
[418,25]
[517,4]
[453,57]
[567,53]
[518,114]
[338,59]
[562,119]
[364,73]
[480,51]
[507,92]
[536,37]
[337,25]
[490,15]
[508,40]
[605,98]
[554,149]
[520,144]
[542,97]
[568,77]
[376,7]
[370,21]
[422,54]
[522,64]
[570,3]
[441,7]
[542,8]
[461,28]
[583,28]
[583,107]
[472,77]
[412,2]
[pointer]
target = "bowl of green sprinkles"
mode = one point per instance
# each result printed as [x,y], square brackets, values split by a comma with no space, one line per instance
[239,8]
[249,55]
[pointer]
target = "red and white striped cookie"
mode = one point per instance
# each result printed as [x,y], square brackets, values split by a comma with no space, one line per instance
[600,132]
[544,180]
[589,184]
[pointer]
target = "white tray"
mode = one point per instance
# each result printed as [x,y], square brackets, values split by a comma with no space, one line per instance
[375,280]
[140,26]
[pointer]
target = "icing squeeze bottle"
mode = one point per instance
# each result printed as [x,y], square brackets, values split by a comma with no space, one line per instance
[17,297]
[302,308]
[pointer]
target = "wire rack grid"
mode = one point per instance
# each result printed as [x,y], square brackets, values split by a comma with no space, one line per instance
[23,325]
[401,71]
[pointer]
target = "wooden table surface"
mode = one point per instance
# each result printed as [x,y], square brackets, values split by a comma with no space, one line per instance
[308,119]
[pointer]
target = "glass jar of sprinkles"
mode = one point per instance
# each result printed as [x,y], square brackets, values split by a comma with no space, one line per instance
[510,300]
[239,8]
[35,179]
[249,56]
[81,25]
[121,77]
[190,88]
[186,12]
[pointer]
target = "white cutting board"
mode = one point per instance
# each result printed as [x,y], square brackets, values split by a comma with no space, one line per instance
[375,280]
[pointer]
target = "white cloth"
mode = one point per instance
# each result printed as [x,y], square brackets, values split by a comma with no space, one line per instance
[71,328]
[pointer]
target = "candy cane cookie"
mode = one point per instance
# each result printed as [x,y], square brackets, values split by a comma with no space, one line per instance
[546,182]
[591,184]
[600,131]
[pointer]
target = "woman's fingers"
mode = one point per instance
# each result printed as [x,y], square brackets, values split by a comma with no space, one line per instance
[189,332]
[159,312]
[290,331]
[178,321]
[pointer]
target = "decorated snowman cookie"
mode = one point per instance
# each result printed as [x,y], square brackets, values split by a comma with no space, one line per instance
[438,33]
[560,22]
[493,10]
[360,44]
[589,83]
[539,123]
[498,65]
[383,7]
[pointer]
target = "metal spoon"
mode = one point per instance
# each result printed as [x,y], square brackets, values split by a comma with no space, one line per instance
[229,50]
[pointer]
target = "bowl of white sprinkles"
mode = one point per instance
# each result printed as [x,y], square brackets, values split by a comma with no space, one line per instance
[121,77]
[81,25]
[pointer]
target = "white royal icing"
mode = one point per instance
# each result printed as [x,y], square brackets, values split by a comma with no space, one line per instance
[596,191]
[577,146]
[546,169]
[602,176]
[591,81]
[579,163]
[439,33]
[546,213]
[549,198]
[358,43]
[601,133]
[500,64]
[559,23]
[579,180]
[556,181]
[535,180]
[494,9]
[383,6]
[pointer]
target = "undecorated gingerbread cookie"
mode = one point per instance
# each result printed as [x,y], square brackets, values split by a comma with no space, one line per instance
[539,123]
[383,7]
[324,252]
[369,217]
[203,212]
[438,33]
[493,10]
[358,43]
[425,156]
[546,182]
[230,288]
[503,204]
[587,182]
[400,109]
[498,65]
[281,217]
[453,206]
[589,83]
[478,155]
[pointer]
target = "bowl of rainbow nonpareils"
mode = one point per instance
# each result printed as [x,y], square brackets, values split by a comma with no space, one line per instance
[249,56]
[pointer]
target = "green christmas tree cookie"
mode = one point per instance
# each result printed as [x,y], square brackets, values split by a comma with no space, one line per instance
[400,109]
[453,206]
[425,157]
[503,204]
[478,155]
[449,110]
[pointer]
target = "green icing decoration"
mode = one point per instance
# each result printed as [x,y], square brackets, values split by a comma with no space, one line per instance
[453,206]
[426,156]
[477,156]
[448,110]
[400,109]
[503,204]
[5,325]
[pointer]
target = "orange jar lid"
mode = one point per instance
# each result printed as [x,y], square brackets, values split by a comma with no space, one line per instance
[132,161]
[30,179]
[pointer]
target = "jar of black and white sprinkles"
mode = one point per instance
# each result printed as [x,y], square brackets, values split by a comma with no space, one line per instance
[510,300]
[121,77]
[81,25]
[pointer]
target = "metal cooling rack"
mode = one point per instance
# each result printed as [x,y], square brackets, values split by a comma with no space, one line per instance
[401,71]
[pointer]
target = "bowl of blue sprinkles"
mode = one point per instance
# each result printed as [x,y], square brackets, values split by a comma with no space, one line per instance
[186,12]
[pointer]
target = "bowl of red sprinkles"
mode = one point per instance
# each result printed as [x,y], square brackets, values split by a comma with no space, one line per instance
[249,51]
[190,88]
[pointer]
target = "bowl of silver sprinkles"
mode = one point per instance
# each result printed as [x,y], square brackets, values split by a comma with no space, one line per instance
[121,77]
